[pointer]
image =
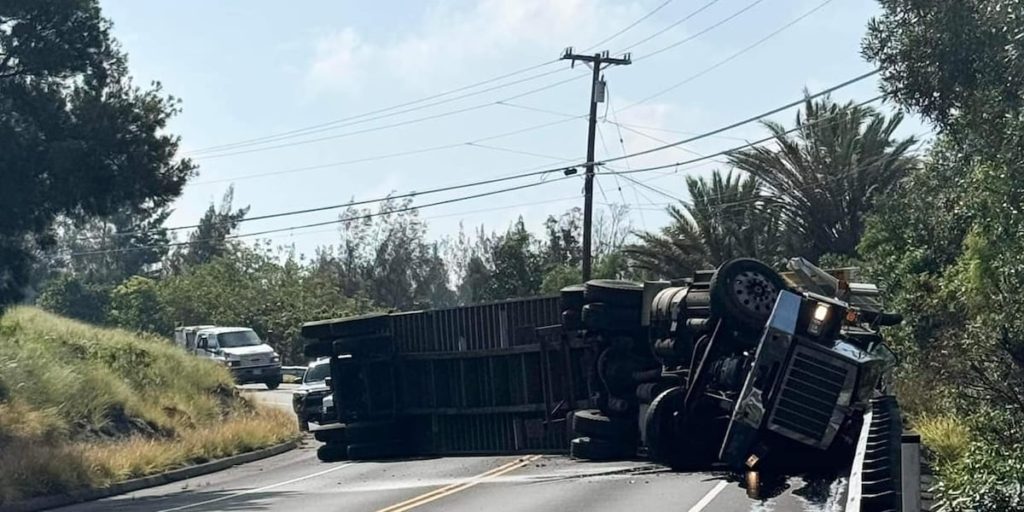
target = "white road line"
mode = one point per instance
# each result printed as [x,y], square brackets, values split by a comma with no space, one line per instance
[260,489]
[706,500]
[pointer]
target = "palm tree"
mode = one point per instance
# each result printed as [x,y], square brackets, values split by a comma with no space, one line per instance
[727,217]
[828,173]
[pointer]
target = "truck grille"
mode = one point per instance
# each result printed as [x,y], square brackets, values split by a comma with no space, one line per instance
[255,360]
[809,394]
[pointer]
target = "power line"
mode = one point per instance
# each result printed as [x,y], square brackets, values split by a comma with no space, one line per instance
[546,171]
[331,222]
[731,57]
[675,24]
[394,125]
[377,114]
[727,151]
[377,111]
[630,26]
[388,155]
[232,149]
[754,118]
[702,32]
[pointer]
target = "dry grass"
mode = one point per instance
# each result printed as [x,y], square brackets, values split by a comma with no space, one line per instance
[82,406]
[139,456]
[945,437]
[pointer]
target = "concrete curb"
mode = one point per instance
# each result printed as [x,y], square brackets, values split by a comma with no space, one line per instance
[48,502]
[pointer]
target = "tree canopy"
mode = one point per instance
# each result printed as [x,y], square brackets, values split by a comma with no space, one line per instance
[77,137]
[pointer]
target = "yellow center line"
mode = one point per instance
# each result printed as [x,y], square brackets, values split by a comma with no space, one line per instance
[448,490]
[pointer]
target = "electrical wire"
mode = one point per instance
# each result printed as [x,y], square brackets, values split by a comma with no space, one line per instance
[698,34]
[755,118]
[730,58]
[630,26]
[673,25]
[546,171]
[330,222]
[302,131]
[736,148]
[385,112]
[375,158]
[394,125]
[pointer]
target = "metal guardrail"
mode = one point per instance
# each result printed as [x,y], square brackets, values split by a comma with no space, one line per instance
[886,471]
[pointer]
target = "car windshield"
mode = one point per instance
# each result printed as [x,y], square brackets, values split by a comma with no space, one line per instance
[317,373]
[238,339]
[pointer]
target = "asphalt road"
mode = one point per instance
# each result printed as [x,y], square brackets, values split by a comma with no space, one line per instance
[298,481]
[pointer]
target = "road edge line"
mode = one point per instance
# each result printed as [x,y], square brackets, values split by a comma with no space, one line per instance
[136,484]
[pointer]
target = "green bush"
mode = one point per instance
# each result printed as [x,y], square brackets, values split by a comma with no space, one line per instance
[987,478]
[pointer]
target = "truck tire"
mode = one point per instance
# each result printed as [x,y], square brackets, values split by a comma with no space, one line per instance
[670,441]
[336,436]
[625,294]
[332,452]
[388,449]
[743,291]
[591,423]
[273,384]
[589,448]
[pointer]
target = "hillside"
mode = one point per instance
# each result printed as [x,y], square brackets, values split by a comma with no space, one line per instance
[82,406]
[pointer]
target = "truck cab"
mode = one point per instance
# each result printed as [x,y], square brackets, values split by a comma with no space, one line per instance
[242,351]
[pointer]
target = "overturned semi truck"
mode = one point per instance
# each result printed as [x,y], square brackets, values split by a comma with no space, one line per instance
[732,367]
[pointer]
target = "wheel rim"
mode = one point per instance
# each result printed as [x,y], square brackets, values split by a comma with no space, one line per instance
[754,292]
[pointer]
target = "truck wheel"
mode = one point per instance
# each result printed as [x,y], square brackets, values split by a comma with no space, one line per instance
[626,294]
[661,428]
[590,448]
[273,384]
[591,423]
[335,436]
[331,452]
[670,441]
[303,425]
[744,291]
[376,450]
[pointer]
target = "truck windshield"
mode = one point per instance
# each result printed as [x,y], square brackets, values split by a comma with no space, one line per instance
[238,339]
[317,373]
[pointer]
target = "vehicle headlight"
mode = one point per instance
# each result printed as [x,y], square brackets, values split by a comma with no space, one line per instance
[232,361]
[275,358]
[819,317]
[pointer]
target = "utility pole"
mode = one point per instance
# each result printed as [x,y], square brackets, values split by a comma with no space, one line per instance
[597,91]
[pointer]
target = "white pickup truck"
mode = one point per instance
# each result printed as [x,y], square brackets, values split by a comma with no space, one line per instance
[240,349]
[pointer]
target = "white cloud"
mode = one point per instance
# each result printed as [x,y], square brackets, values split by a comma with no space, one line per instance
[340,61]
[453,41]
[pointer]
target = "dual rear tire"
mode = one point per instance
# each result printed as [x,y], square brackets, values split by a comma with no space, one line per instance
[364,440]
[599,437]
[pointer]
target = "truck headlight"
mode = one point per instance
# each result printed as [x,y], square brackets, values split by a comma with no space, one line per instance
[818,318]
[275,358]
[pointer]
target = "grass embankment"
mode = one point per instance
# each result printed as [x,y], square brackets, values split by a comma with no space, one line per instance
[82,406]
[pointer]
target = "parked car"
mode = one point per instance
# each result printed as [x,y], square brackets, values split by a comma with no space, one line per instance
[308,398]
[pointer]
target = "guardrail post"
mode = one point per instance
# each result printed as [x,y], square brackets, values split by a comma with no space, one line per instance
[910,451]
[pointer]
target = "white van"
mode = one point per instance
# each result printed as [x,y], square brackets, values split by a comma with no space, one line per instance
[238,348]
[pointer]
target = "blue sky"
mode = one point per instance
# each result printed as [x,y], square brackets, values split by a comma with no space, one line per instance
[248,69]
